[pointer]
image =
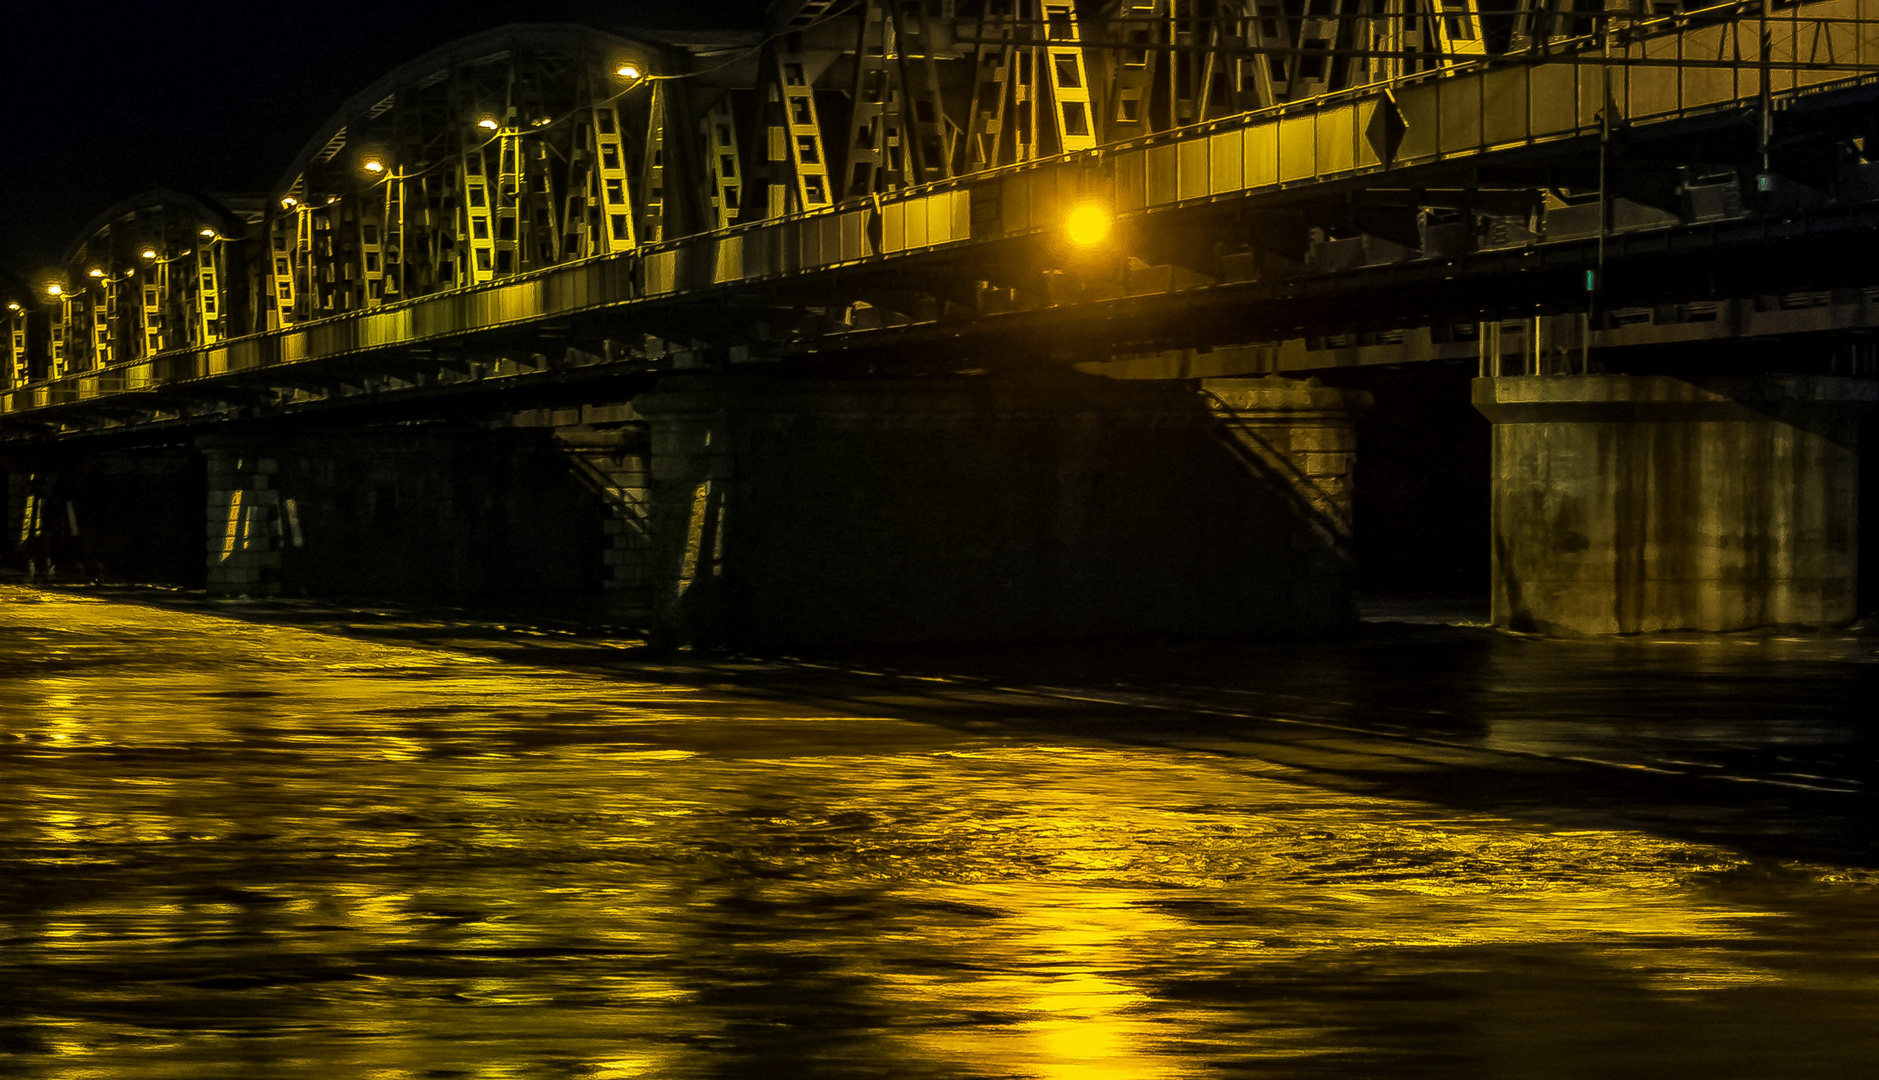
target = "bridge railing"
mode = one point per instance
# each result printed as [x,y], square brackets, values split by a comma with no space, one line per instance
[1694,65]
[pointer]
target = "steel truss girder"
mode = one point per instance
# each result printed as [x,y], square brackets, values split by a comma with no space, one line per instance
[573,162]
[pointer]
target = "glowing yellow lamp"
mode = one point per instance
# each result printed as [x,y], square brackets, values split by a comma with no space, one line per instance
[628,71]
[374,167]
[55,290]
[95,272]
[149,253]
[210,233]
[487,124]
[1087,226]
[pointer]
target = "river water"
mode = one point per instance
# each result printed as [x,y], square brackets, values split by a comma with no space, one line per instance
[289,841]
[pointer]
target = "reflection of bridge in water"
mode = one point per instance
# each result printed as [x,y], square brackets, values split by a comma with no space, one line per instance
[534,223]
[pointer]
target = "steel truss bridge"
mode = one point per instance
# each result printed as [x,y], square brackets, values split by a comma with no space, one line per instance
[875,182]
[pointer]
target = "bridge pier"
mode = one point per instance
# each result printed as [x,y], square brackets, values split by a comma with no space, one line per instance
[1631,503]
[613,462]
[414,512]
[727,509]
[807,512]
[120,514]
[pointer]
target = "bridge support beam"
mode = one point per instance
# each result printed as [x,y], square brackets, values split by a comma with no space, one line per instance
[1629,504]
[800,512]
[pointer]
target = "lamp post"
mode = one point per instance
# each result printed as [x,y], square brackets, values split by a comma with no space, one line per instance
[156,296]
[382,244]
[208,285]
[103,310]
[58,293]
[290,252]
[19,361]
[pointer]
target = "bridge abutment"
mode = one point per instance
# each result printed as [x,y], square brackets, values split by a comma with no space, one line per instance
[809,512]
[1630,503]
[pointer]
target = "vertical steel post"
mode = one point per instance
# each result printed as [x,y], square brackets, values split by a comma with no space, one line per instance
[1766,94]
[19,361]
[208,291]
[1596,286]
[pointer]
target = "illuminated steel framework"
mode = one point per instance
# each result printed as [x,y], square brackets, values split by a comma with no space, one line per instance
[149,275]
[534,146]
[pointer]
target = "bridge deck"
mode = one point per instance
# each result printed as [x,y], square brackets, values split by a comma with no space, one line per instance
[1409,133]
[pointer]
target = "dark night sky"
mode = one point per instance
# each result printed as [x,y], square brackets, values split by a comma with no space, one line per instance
[216,96]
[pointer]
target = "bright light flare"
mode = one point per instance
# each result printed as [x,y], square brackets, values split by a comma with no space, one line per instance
[55,290]
[95,272]
[13,307]
[375,166]
[487,124]
[289,203]
[1087,226]
[210,233]
[628,71]
[149,253]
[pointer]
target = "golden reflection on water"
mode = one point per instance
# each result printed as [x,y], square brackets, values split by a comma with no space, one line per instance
[242,850]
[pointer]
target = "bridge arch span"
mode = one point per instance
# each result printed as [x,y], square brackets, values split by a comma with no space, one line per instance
[509,151]
[154,272]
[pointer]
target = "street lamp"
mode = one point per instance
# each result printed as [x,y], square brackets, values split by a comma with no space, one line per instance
[384,174]
[1088,225]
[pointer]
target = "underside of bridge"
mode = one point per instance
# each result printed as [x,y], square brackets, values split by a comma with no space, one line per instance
[1019,320]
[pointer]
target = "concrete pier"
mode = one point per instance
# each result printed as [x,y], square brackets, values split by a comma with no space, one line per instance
[1628,504]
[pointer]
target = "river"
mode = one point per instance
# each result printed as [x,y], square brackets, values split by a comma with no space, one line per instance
[279,840]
